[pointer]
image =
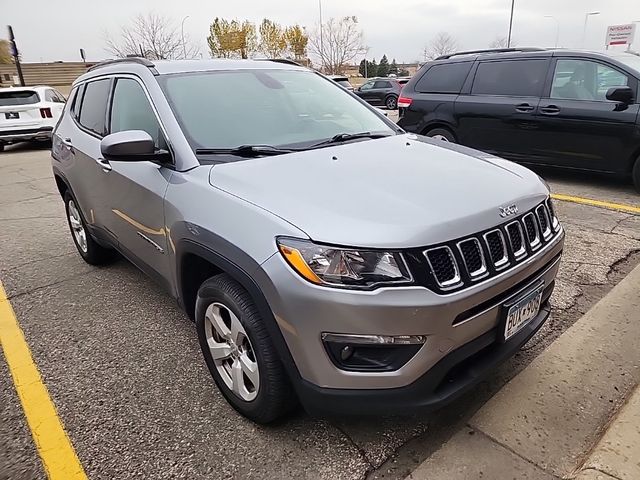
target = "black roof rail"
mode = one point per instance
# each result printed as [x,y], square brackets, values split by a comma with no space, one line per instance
[138,60]
[286,61]
[491,50]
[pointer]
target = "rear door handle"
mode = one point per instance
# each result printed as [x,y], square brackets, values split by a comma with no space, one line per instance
[550,110]
[524,108]
[106,166]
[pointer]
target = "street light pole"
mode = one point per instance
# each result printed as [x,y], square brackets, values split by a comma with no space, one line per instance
[510,24]
[584,29]
[321,35]
[557,28]
[184,45]
[16,54]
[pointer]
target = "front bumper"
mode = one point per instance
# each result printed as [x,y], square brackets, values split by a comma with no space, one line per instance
[304,312]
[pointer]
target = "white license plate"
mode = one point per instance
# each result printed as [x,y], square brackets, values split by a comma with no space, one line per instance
[522,312]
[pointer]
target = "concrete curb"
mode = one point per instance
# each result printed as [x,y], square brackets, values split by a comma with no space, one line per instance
[543,422]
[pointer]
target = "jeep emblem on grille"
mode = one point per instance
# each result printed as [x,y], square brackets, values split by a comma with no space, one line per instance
[508,210]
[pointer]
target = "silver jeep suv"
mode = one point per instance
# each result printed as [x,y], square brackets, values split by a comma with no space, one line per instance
[327,257]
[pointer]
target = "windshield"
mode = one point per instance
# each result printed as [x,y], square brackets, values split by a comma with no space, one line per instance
[281,108]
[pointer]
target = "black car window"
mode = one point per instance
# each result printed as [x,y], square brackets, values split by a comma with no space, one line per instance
[367,86]
[585,80]
[382,84]
[18,97]
[94,106]
[77,101]
[444,78]
[131,110]
[514,78]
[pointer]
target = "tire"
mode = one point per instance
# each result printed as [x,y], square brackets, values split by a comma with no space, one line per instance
[224,310]
[441,134]
[90,251]
[636,175]
[391,102]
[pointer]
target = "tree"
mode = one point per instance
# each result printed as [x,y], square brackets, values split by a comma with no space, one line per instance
[393,68]
[383,67]
[5,52]
[501,42]
[153,36]
[337,43]
[442,44]
[373,69]
[273,42]
[297,40]
[404,73]
[370,70]
[232,39]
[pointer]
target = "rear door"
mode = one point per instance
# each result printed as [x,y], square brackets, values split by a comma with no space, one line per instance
[578,126]
[498,113]
[380,90]
[19,110]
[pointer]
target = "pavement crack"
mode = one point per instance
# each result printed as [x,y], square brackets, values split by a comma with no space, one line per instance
[15,267]
[363,453]
[601,471]
[41,287]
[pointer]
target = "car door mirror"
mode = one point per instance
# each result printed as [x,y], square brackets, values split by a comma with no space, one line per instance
[130,145]
[620,94]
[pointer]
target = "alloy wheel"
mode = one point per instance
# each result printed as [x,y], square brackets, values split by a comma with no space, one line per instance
[79,233]
[231,351]
[440,137]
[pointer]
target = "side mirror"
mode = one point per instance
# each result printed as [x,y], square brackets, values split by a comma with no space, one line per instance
[620,94]
[130,145]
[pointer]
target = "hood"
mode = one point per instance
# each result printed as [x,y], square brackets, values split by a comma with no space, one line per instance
[395,192]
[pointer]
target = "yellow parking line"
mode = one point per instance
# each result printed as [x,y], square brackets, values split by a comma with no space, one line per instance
[58,456]
[621,207]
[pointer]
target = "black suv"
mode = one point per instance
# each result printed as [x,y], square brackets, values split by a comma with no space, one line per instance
[572,109]
[380,92]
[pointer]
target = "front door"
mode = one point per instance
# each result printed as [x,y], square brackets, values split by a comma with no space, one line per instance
[136,189]
[498,114]
[579,127]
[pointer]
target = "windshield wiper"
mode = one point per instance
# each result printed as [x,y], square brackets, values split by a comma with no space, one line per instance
[344,137]
[245,151]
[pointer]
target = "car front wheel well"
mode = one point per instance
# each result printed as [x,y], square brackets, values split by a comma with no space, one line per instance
[194,271]
[62,185]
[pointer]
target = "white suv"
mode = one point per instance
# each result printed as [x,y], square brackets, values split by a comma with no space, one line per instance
[28,113]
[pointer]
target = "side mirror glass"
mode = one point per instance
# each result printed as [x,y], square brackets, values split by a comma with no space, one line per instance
[620,94]
[130,145]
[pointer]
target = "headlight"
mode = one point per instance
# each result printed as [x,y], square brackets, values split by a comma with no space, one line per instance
[341,267]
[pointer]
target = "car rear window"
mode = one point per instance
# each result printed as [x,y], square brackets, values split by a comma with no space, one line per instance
[344,83]
[444,78]
[20,97]
[93,111]
[514,78]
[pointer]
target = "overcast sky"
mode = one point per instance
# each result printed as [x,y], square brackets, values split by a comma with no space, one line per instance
[55,30]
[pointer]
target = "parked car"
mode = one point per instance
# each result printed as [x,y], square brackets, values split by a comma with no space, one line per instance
[342,81]
[306,234]
[380,92]
[28,113]
[565,108]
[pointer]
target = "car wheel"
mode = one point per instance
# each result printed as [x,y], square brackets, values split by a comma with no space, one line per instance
[88,248]
[441,134]
[636,175]
[239,353]
[391,102]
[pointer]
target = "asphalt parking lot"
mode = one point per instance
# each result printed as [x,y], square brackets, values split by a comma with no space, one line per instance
[123,367]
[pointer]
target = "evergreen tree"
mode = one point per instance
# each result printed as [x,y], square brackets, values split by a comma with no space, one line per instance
[362,69]
[383,67]
[393,68]
[373,69]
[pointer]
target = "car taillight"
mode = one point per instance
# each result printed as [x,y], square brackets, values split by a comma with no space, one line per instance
[404,102]
[46,113]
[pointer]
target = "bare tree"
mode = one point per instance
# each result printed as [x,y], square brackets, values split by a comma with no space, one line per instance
[337,43]
[501,42]
[442,44]
[152,36]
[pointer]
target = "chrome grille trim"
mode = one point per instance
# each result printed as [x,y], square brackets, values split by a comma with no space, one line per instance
[482,271]
[448,284]
[535,243]
[504,261]
[522,252]
[542,211]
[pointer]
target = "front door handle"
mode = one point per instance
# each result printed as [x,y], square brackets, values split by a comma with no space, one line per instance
[550,110]
[524,108]
[106,166]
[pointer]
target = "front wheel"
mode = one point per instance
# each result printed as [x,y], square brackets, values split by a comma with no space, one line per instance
[239,353]
[441,134]
[391,102]
[636,175]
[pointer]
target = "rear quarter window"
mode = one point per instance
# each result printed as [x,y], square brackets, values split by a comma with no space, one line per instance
[20,97]
[444,78]
[513,78]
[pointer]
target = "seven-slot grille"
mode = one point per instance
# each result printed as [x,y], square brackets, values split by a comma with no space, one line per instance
[470,259]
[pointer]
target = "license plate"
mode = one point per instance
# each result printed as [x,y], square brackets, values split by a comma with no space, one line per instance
[11,115]
[523,311]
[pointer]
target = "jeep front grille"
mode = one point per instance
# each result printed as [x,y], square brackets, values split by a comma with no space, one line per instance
[460,263]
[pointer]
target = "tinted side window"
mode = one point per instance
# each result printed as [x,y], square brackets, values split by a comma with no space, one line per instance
[517,78]
[382,84]
[77,102]
[444,78]
[49,96]
[94,106]
[585,80]
[131,110]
